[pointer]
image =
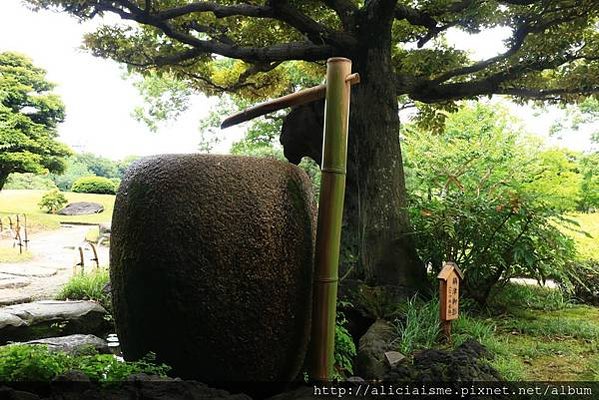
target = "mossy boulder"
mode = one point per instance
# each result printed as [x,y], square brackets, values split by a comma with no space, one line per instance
[211,266]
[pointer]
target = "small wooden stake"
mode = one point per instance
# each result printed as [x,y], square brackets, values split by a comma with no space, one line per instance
[80,263]
[449,292]
[95,259]
[18,236]
[26,240]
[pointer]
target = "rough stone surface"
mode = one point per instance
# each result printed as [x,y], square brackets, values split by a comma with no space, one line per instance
[7,393]
[82,208]
[43,319]
[371,362]
[74,385]
[464,364]
[212,255]
[12,282]
[27,270]
[73,344]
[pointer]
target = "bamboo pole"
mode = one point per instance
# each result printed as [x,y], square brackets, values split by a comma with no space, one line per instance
[294,99]
[330,213]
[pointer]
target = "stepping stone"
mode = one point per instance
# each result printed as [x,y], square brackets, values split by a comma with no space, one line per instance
[12,281]
[82,208]
[27,270]
[72,344]
[43,319]
[14,299]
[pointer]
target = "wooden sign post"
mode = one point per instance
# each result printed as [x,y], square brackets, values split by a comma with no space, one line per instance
[449,292]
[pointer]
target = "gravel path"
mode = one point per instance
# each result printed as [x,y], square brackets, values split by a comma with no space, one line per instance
[54,255]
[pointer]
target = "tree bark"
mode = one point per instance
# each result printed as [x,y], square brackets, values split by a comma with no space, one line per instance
[377,222]
[3,178]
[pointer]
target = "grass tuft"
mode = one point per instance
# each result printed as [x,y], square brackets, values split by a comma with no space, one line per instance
[87,287]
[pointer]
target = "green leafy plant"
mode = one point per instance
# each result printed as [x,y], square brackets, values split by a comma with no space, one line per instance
[35,363]
[345,349]
[53,201]
[483,196]
[94,184]
[87,287]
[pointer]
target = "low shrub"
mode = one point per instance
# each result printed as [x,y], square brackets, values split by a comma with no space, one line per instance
[88,287]
[35,363]
[53,201]
[529,296]
[94,184]
[585,281]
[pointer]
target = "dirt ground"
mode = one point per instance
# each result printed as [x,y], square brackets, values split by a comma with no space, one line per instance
[54,255]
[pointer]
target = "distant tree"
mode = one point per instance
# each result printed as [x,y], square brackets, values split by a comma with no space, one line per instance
[29,181]
[123,164]
[399,49]
[29,114]
[98,165]
[74,170]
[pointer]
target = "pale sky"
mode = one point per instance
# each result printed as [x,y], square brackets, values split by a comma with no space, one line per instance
[99,102]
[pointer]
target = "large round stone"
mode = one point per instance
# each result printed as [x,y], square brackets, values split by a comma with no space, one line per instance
[211,266]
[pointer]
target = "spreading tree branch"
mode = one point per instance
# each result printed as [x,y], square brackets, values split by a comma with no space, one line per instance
[278,52]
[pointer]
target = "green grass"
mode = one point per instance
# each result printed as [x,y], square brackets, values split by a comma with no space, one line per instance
[587,246]
[11,255]
[419,327]
[87,287]
[530,340]
[26,202]
[528,296]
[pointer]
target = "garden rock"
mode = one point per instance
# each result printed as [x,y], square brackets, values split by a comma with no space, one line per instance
[12,282]
[8,393]
[73,344]
[464,364]
[75,385]
[213,255]
[43,319]
[82,208]
[371,360]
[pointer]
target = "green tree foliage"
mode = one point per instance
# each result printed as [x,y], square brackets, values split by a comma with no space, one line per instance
[29,181]
[584,116]
[86,164]
[398,46]
[29,114]
[98,165]
[589,183]
[125,163]
[53,201]
[479,197]
[74,170]
[94,184]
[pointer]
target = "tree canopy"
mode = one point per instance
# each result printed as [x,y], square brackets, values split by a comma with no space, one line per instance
[550,55]
[263,48]
[29,114]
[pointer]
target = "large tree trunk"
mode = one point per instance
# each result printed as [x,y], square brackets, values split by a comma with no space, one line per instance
[376,224]
[377,220]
